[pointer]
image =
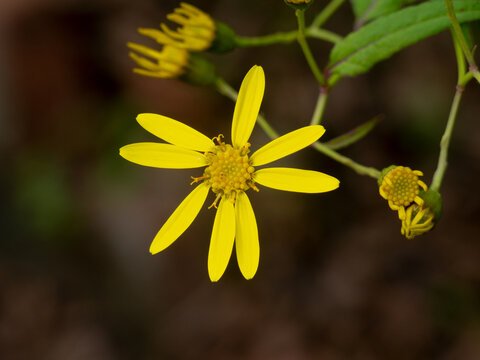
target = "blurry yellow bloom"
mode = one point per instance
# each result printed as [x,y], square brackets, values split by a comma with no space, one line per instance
[401,186]
[229,172]
[298,1]
[170,62]
[196,32]
[418,220]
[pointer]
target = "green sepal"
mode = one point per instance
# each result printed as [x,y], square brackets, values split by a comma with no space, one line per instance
[200,71]
[433,200]
[385,172]
[225,39]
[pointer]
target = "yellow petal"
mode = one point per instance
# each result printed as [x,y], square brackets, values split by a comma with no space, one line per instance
[175,132]
[221,243]
[248,105]
[181,219]
[246,237]
[163,156]
[287,144]
[298,180]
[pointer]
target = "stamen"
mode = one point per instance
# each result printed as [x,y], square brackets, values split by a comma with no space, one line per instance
[214,204]
[197,179]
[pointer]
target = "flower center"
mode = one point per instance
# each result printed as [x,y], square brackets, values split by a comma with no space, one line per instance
[229,170]
[400,186]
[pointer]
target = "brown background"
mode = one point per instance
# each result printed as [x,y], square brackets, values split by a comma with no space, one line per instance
[336,279]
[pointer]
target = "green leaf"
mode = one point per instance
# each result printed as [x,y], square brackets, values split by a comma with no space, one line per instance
[366,10]
[360,6]
[353,135]
[385,36]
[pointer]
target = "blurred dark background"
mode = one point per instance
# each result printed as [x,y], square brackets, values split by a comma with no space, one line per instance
[336,279]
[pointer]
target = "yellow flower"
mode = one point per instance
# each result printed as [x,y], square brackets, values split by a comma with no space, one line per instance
[229,172]
[171,62]
[298,1]
[418,220]
[197,29]
[400,186]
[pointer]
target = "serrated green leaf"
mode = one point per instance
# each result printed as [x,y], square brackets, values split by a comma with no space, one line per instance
[353,135]
[385,36]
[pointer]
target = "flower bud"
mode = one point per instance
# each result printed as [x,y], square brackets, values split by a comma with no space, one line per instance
[420,219]
[172,62]
[299,4]
[197,31]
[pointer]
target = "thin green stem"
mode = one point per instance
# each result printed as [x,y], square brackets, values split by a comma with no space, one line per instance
[475,73]
[225,89]
[459,56]
[327,12]
[319,107]
[461,39]
[286,38]
[277,38]
[306,49]
[445,142]
[360,169]
[322,34]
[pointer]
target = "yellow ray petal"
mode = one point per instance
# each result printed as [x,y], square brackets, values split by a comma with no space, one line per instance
[221,243]
[246,237]
[287,144]
[175,132]
[298,180]
[163,156]
[247,105]
[181,219]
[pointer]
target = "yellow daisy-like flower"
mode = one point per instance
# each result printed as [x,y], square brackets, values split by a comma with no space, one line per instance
[197,29]
[170,62]
[229,172]
[418,220]
[401,186]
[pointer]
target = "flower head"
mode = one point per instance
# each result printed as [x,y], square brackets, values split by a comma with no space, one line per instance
[173,62]
[170,62]
[196,32]
[299,4]
[298,1]
[401,186]
[420,219]
[230,171]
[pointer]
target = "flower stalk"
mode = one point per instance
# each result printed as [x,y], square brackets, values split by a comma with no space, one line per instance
[225,89]
[300,14]
[445,142]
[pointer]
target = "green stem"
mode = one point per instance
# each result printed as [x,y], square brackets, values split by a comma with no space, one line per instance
[327,12]
[461,39]
[322,34]
[277,38]
[225,89]
[286,37]
[319,107]
[445,142]
[306,49]
[475,73]
[459,56]
[360,169]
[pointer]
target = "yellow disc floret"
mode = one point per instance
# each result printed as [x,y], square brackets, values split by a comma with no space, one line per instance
[401,186]
[229,170]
